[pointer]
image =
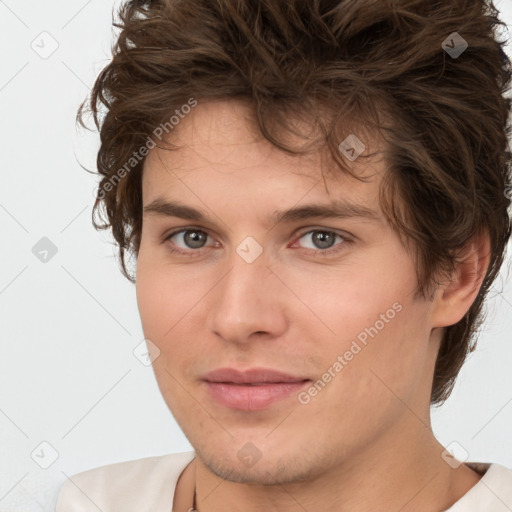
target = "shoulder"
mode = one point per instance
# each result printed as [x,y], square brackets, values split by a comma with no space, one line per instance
[492,493]
[134,485]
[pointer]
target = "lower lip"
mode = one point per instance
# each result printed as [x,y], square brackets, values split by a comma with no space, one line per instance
[252,398]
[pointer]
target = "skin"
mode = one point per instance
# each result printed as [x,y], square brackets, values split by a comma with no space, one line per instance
[365,441]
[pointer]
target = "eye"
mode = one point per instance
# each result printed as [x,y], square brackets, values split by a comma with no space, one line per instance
[190,238]
[323,241]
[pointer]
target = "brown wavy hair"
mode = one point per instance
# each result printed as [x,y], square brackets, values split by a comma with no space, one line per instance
[380,66]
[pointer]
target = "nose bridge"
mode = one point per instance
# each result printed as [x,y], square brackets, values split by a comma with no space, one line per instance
[246,298]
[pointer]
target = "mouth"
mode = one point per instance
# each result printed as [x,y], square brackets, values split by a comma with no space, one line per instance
[253,389]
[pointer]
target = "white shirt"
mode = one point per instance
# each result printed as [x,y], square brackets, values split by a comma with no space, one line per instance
[147,485]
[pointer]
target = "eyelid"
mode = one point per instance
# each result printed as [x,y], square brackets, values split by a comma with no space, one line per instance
[347,238]
[345,235]
[176,231]
[299,232]
[333,250]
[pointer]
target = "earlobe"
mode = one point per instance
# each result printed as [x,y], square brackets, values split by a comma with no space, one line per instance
[455,297]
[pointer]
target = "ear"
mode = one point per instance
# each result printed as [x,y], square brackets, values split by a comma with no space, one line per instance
[454,298]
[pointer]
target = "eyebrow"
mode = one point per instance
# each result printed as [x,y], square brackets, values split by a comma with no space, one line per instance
[340,209]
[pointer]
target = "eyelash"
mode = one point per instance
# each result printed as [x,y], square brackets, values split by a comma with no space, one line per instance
[183,252]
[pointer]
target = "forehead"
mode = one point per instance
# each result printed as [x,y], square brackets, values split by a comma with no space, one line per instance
[218,147]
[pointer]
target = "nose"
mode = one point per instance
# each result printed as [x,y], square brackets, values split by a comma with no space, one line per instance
[249,302]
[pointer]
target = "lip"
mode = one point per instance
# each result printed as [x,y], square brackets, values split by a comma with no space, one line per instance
[253,389]
[251,376]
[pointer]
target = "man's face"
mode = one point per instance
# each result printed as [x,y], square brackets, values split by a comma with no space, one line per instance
[328,300]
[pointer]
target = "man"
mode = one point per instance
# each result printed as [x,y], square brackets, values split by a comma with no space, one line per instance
[317,197]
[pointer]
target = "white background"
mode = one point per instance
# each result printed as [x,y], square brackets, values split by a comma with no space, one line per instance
[68,376]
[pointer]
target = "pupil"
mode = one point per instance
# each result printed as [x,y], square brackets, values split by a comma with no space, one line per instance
[323,239]
[194,239]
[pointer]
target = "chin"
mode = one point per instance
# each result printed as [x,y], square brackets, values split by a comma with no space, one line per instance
[276,470]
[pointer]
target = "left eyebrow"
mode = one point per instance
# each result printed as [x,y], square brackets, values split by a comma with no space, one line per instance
[340,209]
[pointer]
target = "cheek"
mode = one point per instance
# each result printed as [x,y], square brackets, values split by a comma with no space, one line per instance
[373,381]
[156,298]
[160,294]
[390,367]
[150,302]
[167,299]
[369,318]
[351,301]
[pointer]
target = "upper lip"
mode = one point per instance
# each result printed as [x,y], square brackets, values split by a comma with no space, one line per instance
[251,376]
